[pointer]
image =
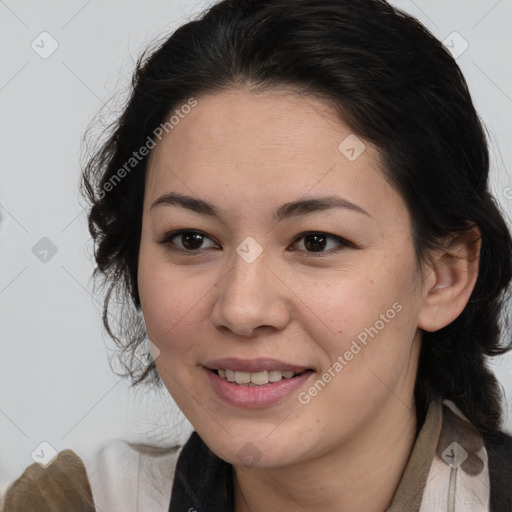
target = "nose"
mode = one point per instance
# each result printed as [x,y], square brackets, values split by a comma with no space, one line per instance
[250,299]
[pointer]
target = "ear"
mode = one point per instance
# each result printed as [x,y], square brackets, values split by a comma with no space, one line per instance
[451,279]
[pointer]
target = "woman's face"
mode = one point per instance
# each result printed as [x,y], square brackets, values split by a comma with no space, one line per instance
[295,256]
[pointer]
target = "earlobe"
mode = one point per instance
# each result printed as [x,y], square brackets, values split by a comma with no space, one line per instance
[453,278]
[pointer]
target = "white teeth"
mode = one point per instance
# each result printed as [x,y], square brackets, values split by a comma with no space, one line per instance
[255,378]
[275,375]
[242,377]
[259,378]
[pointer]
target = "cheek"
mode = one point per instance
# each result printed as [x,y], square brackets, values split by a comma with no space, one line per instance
[173,301]
[347,305]
[368,319]
[159,297]
[368,352]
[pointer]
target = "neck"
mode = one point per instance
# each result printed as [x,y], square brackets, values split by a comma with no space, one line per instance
[362,473]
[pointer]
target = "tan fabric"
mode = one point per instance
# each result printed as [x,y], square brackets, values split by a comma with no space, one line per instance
[460,467]
[410,490]
[61,487]
[448,467]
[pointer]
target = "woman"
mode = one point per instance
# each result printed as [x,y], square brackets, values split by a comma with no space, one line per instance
[294,208]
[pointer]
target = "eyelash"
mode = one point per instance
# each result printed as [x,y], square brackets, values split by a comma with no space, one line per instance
[166,240]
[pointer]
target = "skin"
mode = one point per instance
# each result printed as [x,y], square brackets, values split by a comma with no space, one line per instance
[248,154]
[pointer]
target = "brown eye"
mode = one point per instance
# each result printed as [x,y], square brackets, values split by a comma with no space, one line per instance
[187,241]
[191,240]
[321,243]
[315,242]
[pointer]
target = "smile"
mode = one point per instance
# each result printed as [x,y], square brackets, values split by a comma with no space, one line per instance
[257,389]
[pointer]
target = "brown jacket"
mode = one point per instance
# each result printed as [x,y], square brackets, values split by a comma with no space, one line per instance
[63,486]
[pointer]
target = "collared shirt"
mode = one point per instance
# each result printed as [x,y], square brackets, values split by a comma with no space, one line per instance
[120,478]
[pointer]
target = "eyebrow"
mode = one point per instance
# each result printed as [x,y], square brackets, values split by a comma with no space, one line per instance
[285,211]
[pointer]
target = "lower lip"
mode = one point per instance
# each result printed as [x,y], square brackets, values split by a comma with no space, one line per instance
[254,397]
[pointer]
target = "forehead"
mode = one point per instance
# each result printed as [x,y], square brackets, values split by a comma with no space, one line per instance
[279,121]
[277,145]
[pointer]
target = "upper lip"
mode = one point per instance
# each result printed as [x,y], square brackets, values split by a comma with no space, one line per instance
[252,365]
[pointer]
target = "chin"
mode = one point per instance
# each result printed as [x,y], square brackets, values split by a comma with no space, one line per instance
[255,449]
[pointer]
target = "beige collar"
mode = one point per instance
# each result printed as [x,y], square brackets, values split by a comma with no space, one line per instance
[448,466]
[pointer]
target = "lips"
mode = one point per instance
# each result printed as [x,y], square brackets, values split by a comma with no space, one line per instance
[253,396]
[255,383]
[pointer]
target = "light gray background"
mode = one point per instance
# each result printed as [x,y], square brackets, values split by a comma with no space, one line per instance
[56,385]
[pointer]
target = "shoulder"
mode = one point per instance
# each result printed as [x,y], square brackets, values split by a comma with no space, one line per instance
[56,486]
[117,476]
[125,476]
